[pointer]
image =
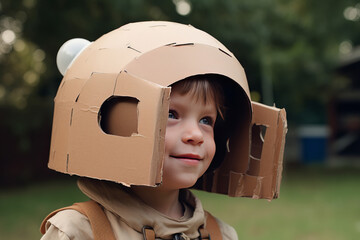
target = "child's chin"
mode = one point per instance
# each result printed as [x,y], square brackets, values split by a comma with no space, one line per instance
[179,185]
[186,184]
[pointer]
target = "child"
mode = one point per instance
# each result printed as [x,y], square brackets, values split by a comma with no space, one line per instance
[205,139]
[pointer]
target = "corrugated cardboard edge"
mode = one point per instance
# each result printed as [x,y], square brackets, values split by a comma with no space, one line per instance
[159,150]
[279,145]
[280,151]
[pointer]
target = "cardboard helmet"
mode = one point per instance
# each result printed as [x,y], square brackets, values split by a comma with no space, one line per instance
[135,65]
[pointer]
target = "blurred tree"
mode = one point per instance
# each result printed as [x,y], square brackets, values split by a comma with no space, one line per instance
[288,48]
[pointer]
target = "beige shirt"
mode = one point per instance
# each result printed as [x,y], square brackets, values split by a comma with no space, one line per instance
[127,215]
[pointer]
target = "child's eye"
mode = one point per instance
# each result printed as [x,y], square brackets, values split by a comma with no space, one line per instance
[172,114]
[207,121]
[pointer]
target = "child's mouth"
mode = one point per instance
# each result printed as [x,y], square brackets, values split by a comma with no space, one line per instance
[191,159]
[188,155]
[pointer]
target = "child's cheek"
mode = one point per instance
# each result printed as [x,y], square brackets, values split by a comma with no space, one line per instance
[211,148]
[170,123]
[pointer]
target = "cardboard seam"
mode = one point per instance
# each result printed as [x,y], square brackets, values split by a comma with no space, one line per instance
[67,163]
[134,49]
[183,44]
[225,52]
[61,85]
[81,88]
[71,115]
[115,84]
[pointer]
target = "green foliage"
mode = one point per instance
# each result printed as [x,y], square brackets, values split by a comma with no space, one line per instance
[289,48]
[292,43]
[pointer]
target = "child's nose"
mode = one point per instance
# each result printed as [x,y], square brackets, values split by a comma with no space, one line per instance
[192,134]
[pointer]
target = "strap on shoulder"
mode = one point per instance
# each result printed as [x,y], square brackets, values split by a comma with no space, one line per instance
[100,224]
[102,230]
[212,228]
[43,224]
[148,233]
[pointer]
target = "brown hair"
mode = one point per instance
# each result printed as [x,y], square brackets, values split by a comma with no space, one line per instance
[203,88]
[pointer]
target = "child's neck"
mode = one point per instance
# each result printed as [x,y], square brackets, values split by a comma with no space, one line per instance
[164,201]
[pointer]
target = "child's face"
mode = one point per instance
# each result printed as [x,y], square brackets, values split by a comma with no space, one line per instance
[189,140]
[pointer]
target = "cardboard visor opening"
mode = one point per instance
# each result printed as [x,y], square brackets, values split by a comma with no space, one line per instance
[118,116]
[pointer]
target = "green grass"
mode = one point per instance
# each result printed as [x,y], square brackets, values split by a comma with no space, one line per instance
[315,203]
[22,209]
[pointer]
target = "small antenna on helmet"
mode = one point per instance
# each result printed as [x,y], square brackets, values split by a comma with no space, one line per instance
[68,52]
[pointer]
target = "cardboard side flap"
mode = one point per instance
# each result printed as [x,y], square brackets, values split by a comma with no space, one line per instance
[258,173]
[129,160]
[159,149]
[269,165]
[261,177]
[279,153]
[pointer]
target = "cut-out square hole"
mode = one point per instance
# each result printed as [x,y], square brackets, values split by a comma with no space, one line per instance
[257,140]
[119,116]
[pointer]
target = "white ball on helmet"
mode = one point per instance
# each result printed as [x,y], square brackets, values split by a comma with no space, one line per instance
[68,53]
